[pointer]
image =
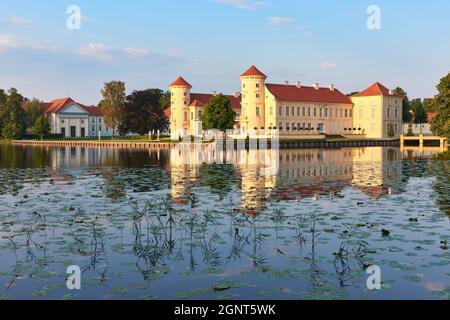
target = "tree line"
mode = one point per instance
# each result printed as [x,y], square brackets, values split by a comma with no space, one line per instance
[140,112]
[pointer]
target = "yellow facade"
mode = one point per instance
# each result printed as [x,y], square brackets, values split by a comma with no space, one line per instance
[375,113]
[253,103]
[294,110]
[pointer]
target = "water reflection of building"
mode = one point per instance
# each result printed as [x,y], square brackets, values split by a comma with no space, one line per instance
[376,170]
[310,172]
[289,174]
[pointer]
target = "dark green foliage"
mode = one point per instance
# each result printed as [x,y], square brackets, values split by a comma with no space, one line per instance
[144,112]
[219,114]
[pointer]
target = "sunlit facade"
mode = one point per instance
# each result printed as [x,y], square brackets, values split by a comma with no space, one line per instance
[292,110]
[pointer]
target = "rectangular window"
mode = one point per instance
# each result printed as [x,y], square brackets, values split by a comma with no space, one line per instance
[298,111]
[100,128]
[304,126]
[389,112]
[396,112]
[185,116]
[192,116]
[326,112]
[93,129]
[100,120]
[321,112]
[280,125]
[280,111]
[298,126]
[287,125]
[257,112]
[293,125]
[257,95]
[293,111]
[351,113]
[257,85]
[309,111]
[309,125]
[287,111]
[396,127]
[304,111]
[346,113]
[315,112]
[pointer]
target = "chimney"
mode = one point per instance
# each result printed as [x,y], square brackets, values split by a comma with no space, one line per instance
[286,83]
[237,94]
[332,87]
[298,84]
[316,86]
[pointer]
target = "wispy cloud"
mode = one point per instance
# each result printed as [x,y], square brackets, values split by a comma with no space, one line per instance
[244,4]
[8,42]
[137,52]
[97,51]
[329,65]
[17,22]
[292,24]
[277,21]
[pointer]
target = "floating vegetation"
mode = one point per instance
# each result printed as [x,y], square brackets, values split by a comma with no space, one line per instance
[141,226]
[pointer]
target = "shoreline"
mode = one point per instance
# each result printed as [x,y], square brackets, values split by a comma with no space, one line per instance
[283,144]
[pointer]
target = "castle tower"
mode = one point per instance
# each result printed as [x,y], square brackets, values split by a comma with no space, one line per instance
[180,96]
[253,100]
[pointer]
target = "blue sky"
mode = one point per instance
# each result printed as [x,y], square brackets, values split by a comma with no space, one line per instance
[148,44]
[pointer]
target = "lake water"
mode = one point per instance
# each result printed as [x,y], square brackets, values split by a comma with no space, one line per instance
[202,224]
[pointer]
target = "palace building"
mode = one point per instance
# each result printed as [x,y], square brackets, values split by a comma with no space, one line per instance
[292,110]
[75,120]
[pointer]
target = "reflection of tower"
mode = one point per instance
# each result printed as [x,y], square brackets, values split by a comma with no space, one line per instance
[253,100]
[376,169]
[180,97]
[180,173]
[259,169]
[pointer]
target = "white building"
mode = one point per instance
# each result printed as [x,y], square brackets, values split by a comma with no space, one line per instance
[75,120]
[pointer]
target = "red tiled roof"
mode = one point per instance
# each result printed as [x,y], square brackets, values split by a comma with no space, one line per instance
[253,71]
[59,104]
[376,89]
[307,94]
[180,82]
[197,103]
[202,99]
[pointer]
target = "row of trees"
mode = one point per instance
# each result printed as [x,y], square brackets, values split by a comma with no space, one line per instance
[440,104]
[17,114]
[140,112]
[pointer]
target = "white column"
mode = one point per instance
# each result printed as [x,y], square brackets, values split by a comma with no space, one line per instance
[78,130]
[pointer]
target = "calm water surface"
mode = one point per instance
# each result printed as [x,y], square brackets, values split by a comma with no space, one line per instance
[200,224]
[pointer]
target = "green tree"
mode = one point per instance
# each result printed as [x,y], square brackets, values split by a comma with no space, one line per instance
[12,116]
[144,112]
[41,127]
[406,104]
[33,110]
[417,107]
[3,98]
[441,123]
[218,114]
[429,105]
[113,103]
